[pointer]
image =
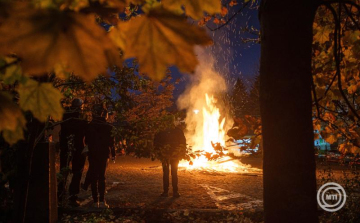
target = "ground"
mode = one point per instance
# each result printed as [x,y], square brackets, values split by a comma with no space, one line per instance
[134,183]
[138,183]
[134,186]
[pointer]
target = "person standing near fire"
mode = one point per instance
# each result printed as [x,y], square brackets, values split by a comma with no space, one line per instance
[170,147]
[71,138]
[100,144]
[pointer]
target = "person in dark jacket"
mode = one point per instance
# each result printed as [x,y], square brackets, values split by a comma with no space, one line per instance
[170,144]
[101,144]
[72,125]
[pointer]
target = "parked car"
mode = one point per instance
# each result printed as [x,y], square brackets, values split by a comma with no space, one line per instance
[333,156]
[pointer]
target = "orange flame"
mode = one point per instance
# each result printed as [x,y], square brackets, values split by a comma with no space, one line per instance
[212,131]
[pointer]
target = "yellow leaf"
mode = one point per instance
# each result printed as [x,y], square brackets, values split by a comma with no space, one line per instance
[61,71]
[10,114]
[43,38]
[194,8]
[42,99]
[12,137]
[12,121]
[12,72]
[160,39]
[351,36]
[322,33]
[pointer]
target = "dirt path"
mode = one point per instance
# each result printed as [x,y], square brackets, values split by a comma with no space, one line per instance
[137,183]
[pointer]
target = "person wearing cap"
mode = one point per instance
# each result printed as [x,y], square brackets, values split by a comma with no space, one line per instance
[170,145]
[72,125]
[101,144]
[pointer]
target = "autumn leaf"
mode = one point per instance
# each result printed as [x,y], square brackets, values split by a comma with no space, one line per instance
[351,36]
[194,8]
[316,136]
[12,121]
[322,33]
[43,38]
[331,139]
[42,99]
[232,3]
[13,137]
[352,89]
[160,39]
[10,114]
[224,11]
[12,72]
[117,36]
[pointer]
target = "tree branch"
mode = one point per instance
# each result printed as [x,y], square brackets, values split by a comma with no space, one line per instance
[231,18]
[337,55]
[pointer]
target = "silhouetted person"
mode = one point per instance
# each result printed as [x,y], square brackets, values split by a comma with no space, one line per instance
[171,143]
[100,143]
[72,125]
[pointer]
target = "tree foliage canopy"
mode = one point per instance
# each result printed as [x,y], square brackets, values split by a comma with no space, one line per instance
[336,82]
[83,39]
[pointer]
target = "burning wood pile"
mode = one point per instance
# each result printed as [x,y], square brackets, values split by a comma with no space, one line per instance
[207,123]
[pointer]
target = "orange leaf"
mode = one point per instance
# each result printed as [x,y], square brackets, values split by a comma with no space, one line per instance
[232,3]
[224,11]
[216,21]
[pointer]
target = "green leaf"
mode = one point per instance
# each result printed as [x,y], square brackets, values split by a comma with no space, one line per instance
[160,39]
[42,99]
[194,8]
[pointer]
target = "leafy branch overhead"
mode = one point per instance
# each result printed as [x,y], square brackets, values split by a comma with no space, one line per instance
[336,81]
[49,34]
[39,38]
[12,120]
[160,39]
[42,99]
[44,38]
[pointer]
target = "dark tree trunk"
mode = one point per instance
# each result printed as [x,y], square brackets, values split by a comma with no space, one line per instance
[285,99]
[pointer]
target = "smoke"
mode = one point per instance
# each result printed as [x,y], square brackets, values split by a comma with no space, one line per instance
[205,81]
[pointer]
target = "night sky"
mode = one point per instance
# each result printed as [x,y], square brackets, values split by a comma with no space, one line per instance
[234,58]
